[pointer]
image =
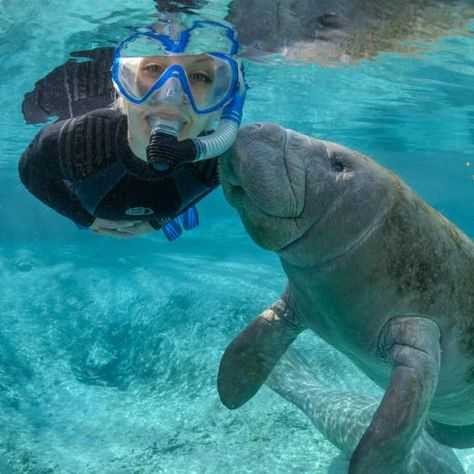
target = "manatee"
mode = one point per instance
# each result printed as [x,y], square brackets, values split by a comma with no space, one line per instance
[342,417]
[373,270]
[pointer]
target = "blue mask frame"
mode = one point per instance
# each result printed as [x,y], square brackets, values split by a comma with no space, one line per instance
[176,70]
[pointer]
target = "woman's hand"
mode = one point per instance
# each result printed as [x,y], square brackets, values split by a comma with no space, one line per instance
[121,229]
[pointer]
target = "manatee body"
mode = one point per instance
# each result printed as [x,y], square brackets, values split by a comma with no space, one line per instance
[342,417]
[372,270]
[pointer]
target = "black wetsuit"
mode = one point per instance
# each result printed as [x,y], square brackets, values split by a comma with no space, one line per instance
[84,168]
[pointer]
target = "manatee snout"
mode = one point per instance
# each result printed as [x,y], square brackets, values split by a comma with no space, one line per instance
[259,167]
[298,195]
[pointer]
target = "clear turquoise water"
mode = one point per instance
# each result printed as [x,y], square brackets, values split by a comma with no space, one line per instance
[109,349]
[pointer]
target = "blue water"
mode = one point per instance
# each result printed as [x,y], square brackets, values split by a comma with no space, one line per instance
[109,349]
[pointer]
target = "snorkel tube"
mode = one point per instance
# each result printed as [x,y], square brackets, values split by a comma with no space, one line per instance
[165,152]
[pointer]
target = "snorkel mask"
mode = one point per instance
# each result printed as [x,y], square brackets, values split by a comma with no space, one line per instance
[153,66]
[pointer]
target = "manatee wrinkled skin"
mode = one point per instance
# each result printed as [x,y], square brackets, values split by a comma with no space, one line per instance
[372,270]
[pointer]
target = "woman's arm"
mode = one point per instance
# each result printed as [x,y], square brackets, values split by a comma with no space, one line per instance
[40,172]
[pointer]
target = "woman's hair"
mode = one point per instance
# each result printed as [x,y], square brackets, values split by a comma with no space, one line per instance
[119,105]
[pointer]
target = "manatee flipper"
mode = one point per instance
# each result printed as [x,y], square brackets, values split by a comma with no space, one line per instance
[342,417]
[251,356]
[411,345]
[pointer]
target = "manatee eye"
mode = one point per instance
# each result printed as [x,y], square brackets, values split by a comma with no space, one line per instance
[341,167]
[338,166]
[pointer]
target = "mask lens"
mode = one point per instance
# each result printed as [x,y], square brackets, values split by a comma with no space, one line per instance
[207,80]
[210,80]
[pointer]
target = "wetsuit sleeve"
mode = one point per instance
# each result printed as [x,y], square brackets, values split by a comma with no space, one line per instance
[206,172]
[41,173]
[156,224]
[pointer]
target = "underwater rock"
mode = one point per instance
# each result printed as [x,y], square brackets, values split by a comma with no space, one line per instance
[24,261]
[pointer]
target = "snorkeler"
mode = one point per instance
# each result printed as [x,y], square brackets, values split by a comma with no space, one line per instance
[145,162]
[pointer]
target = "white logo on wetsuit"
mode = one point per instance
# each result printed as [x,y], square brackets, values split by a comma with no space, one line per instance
[138,211]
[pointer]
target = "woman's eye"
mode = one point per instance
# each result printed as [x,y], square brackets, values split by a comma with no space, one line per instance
[153,69]
[200,77]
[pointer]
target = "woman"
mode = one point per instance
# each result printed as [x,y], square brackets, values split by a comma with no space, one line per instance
[144,163]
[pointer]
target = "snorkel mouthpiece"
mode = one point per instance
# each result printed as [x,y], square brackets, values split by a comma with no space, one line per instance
[165,152]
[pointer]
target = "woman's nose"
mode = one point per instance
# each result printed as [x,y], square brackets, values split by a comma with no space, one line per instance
[171,92]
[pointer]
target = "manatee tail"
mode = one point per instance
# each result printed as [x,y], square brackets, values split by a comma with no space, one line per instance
[342,417]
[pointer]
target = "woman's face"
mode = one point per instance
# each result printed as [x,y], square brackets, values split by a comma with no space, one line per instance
[170,102]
